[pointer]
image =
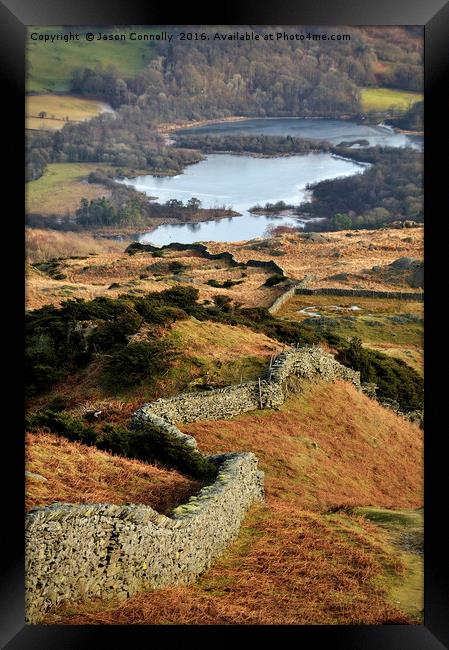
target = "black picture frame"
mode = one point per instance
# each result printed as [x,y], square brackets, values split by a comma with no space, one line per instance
[15,16]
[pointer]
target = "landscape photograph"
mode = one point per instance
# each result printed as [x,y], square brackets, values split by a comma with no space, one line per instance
[224,325]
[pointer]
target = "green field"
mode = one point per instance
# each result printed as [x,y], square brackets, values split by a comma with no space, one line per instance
[394,327]
[382,99]
[51,64]
[58,110]
[62,187]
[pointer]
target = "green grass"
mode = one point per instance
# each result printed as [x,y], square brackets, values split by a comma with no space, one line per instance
[382,99]
[51,64]
[58,108]
[405,531]
[374,321]
[381,330]
[61,188]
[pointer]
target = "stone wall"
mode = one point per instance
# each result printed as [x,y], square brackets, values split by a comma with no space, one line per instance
[223,403]
[280,300]
[80,551]
[360,293]
[229,258]
[216,404]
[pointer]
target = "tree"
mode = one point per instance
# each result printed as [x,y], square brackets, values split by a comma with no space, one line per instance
[193,203]
[43,115]
[341,221]
[174,203]
[83,211]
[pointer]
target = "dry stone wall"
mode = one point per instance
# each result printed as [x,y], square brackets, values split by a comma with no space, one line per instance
[75,552]
[360,293]
[282,299]
[82,551]
[308,362]
[229,258]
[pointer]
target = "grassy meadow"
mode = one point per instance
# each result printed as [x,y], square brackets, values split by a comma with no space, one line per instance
[62,186]
[52,64]
[382,99]
[58,109]
[394,327]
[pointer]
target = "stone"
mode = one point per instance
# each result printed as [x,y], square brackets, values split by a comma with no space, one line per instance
[405,263]
[35,477]
[80,551]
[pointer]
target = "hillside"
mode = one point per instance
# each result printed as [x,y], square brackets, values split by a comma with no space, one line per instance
[349,452]
[205,354]
[302,502]
[338,259]
[60,189]
[304,556]
[111,274]
[394,327]
[70,472]
[52,112]
[334,259]
[255,77]
[141,344]
[382,99]
[51,68]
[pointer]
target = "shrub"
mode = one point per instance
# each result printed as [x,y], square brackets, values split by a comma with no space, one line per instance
[63,424]
[56,344]
[147,443]
[130,365]
[150,444]
[227,284]
[156,312]
[273,280]
[394,378]
[115,333]
[176,267]
[341,221]
[214,283]
[222,302]
[183,297]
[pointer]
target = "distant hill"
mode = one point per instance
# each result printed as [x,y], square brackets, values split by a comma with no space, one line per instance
[208,78]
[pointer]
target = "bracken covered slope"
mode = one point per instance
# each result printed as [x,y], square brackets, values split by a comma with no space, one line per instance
[300,557]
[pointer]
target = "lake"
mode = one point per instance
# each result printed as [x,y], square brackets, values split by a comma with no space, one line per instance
[335,131]
[241,182]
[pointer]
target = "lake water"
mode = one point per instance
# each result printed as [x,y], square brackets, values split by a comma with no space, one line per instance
[241,182]
[335,131]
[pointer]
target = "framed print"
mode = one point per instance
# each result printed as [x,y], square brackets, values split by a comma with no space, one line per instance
[224,334]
